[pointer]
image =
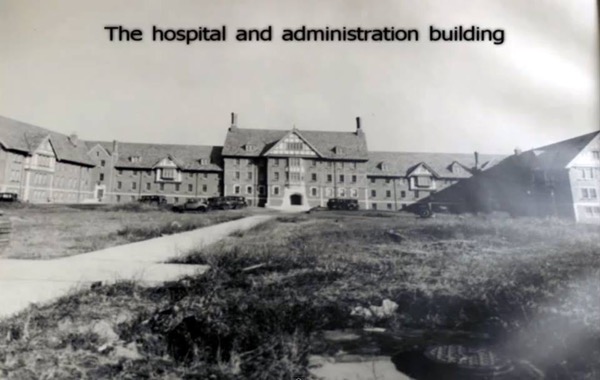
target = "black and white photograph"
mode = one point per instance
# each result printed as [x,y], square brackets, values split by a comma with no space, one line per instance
[300,189]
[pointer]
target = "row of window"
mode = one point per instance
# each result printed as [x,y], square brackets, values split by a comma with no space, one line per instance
[587,173]
[389,206]
[388,193]
[592,211]
[134,186]
[296,162]
[313,191]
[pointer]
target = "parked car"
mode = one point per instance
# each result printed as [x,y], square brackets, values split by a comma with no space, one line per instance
[192,205]
[153,199]
[342,204]
[227,203]
[9,197]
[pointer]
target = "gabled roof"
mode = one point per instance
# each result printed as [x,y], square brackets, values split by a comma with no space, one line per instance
[26,138]
[402,163]
[354,144]
[186,157]
[297,133]
[560,154]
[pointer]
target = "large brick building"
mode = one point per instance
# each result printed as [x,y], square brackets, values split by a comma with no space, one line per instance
[285,168]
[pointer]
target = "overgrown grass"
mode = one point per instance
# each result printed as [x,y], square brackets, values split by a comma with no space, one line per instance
[530,285]
[45,232]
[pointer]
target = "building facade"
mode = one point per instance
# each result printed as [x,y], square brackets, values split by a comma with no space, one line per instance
[41,166]
[298,169]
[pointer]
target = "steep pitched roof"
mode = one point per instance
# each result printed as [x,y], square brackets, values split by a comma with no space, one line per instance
[23,137]
[187,157]
[401,163]
[354,144]
[560,154]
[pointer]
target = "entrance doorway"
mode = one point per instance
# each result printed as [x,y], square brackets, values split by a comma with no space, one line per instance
[296,200]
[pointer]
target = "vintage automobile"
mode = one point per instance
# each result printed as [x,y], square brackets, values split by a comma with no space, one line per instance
[9,197]
[156,200]
[228,202]
[342,204]
[192,205]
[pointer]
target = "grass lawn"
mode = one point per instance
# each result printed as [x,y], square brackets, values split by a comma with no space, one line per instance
[45,232]
[529,287]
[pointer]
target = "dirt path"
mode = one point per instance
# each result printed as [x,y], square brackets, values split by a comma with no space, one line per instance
[23,282]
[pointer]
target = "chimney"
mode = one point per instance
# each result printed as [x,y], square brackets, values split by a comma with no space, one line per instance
[476,160]
[517,151]
[233,121]
[115,148]
[358,128]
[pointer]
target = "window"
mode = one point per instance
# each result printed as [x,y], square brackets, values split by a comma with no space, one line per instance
[385,167]
[236,189]
[249,190]
[416,194]
[276,162]
[118,198]
[329,178]
[313,163]
[374,206]
[328,192]
[313,177]
[342,192]
[295,146]
[403,194]
[237,175]
[101,176]
[295,177]
[372,180]
[120,172]
[119,185]
[168,173]
[294,162]
[177,187]
[275,190]
[135,159]
[373,193]
[190,188]
[249,147]
[596,155]
[148,186]
[204,188]
[313,191]
[102,163]
[354,193]
[587,173]
[276,176]
[353,179]
[205,175]
[162,187]
[249,175]
[388,193]
[423,181]
[589,193]
[261,190]
[237,161]
[133,185]
[176,199]
[387,180]
[353,165]
[341,178]
[389,206]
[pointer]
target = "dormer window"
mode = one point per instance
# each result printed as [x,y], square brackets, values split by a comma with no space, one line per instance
[338,150]
[203,161]
[135,159]
[385,166]
[249,147]
[168,174]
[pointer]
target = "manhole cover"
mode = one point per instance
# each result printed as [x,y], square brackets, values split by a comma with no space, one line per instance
[472,360]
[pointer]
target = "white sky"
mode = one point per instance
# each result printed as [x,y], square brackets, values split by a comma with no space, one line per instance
[58,70]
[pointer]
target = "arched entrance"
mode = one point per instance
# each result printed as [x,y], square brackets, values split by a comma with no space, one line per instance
[296,200]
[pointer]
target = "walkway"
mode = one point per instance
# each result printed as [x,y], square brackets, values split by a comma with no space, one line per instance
[23,282]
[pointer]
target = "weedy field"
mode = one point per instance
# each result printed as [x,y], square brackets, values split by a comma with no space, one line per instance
[530,287]
[45,232]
